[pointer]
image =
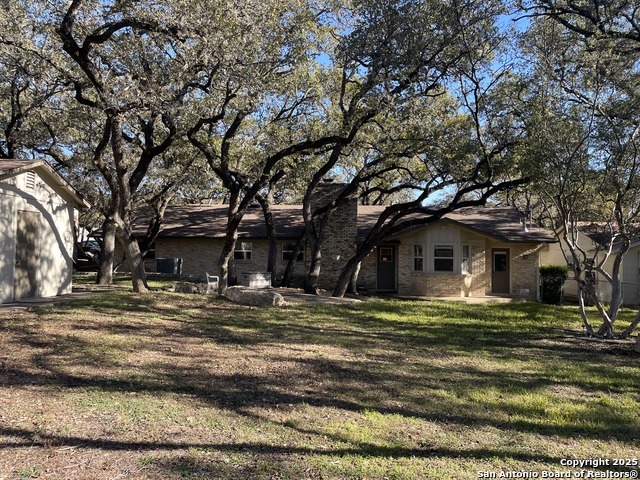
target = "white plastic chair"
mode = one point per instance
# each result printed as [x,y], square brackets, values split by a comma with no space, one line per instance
[211,281]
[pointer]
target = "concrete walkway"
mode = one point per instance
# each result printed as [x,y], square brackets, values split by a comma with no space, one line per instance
[290,295]
[471,300]
[296,296]
[27,303]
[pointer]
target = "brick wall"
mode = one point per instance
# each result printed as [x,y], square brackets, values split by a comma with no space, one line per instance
[523,271]
[476,284]
[423,283]
[368,272]
[340,233]
[523,268]
[200,255]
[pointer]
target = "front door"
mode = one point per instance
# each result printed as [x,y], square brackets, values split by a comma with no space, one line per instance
[386,268]
[500,271]
[27,250]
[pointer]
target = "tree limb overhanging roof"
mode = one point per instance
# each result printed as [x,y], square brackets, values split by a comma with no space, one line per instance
[209,221]
[12,168]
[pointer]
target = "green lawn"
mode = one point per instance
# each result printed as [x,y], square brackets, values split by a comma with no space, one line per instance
[184,386]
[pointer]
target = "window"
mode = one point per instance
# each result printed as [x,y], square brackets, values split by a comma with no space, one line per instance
[386,254]
[418,258]
[242,251]
[465,266]
[443,258]
[287,252]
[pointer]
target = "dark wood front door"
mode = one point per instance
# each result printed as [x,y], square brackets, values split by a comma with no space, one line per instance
[27,250]
[386,268]
[500,271]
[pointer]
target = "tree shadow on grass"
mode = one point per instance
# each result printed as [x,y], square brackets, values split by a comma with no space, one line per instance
[21,437]
[392,366]
[451,395]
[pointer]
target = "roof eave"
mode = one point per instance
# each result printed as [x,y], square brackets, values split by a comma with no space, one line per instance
[55,178]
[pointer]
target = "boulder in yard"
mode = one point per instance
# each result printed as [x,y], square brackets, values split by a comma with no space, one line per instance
[253,297]
[186,287]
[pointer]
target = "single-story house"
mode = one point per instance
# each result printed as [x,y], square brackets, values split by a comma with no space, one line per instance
[590,239]
[472,252]
[36,227]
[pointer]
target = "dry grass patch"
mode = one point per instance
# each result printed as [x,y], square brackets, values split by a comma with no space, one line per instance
[182,386]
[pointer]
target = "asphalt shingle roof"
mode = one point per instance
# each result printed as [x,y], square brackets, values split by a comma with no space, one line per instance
[502,223]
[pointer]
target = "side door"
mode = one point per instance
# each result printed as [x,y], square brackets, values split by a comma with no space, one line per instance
[386,271]
[500,271]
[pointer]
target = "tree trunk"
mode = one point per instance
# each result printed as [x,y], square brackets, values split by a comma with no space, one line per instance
[583,310]
[349,274]
[133,254]
[315,263]
[223,263]
[634,324]
[313,274]
[316,238]
[606,330]
[287,277]
[107,253]
[616,284]
[353,282]
[272,259]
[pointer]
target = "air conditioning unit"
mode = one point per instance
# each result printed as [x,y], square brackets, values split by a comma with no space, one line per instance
[169,266]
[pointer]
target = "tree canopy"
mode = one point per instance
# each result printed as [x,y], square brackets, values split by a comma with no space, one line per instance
[138,102]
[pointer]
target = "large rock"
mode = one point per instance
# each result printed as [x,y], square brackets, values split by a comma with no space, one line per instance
[253,297]
[186,287]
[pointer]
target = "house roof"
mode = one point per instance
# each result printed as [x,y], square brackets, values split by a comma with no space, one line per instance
[210,221]
[600,233]
[11,168]
[501,223]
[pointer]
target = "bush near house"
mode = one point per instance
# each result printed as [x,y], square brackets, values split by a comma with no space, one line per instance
[552,278]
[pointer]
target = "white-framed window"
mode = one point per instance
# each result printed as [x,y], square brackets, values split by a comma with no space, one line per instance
[465,264]
[287,252]
[443,255]
[242,251]
[418,257]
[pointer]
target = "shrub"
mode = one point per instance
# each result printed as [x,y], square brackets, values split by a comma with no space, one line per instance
[552,278]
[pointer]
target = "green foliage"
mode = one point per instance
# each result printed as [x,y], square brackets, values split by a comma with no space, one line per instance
[554,271]
[552,278]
